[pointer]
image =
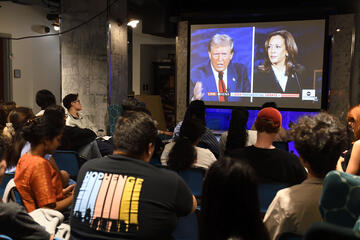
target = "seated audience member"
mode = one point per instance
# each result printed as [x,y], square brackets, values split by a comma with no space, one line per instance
[126,197]
[237,136]
[230,207]
[72,103]
[282,135]
[351,158]
[14,220]
[44,99]
[319,141]
[16,120]
[56,115]
[196,110]
[183,153]
[39,184]
[271,164]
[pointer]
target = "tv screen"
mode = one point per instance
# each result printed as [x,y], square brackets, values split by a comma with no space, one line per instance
[248,64]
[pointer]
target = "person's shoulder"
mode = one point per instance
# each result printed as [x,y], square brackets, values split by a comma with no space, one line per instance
[285,154]
[201,69]
[10,209]
[240,151]
[356,144]
[94,163]
[33,158]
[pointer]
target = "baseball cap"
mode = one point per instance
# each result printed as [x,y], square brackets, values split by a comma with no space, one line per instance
[270,114]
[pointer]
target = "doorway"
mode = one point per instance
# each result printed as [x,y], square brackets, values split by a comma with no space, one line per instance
[5,68]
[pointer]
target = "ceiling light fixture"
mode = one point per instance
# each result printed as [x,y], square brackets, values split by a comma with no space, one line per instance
[56,25]
[133,23]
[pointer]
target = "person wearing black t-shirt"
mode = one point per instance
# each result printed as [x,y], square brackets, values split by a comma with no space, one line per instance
[271,164]
[122,196]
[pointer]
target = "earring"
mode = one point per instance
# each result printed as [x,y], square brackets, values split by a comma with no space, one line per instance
[286,55]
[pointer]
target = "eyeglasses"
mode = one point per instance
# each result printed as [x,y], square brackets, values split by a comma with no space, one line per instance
[78,100]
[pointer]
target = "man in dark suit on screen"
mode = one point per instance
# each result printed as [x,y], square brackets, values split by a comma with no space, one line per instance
[215,80]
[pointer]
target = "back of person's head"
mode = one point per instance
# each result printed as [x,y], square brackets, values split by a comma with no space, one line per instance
[237,133]
[19,116]
[44,98]
[134,131]
[183,154]
[320,140]
[8,107]
[268,120]
[55,114]
[353,118]
[68,99]
[230,205]
[132,104]
[269,104]
[196,110]
[39,129]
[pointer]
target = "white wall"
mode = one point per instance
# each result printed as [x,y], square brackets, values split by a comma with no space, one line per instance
[38,58]
[138,39]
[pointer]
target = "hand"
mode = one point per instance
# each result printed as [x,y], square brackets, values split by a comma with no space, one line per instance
[339,164]
[198,94]
[69,190]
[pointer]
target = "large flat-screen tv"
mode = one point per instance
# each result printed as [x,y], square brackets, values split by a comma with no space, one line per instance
[248,64]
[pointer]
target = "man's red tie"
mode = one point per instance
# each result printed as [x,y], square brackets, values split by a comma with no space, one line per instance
[222,88]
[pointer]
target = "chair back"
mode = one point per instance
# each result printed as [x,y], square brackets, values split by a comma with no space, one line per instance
[6,179]
[267,192]
[339,201]
[114,111]
[67,160]
[11,194]
[194,179]
[187,228]
[323,230]
[5,237]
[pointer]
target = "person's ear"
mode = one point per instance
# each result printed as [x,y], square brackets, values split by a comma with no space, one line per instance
[231,55]
[151,149]
[209,54]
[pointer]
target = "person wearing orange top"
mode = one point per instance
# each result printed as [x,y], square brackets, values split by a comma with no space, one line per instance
[38,183]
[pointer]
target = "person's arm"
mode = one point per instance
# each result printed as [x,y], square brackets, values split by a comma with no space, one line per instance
[339,164]
[20,225]
[64,203]
[354,162]
[276,220]
[194,204]
[64,176]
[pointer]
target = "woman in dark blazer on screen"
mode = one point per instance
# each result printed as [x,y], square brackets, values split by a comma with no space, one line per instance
[280,73]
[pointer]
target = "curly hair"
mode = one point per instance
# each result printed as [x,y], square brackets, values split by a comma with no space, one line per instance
[319,139]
